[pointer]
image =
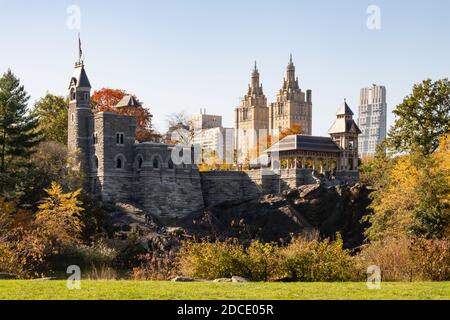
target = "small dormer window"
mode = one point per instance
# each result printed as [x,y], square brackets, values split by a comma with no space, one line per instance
[119,138]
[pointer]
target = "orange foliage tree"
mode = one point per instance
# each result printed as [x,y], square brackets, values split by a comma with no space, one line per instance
[295,129]
[106,99]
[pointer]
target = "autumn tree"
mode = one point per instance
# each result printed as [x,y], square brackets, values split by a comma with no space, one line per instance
[21,246]
[422,118]
[415,197]
[18,133]
[59,216]
[295,129]
[374,170]
[51,113]
[106,99]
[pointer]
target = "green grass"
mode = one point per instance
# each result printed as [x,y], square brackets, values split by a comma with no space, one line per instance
[157,290]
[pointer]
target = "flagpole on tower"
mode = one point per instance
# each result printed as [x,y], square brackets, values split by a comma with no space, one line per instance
[80,51]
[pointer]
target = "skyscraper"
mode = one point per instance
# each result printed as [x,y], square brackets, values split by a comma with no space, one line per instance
[293,106]
[372,119]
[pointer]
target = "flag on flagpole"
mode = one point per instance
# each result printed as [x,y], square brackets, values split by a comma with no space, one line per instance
[80,52]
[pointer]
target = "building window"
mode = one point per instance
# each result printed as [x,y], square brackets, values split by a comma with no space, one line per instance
[119,162]
[350,145]
[155,163]
[171,166]
[96,162]
[72,94]
[95,138]
[119,138]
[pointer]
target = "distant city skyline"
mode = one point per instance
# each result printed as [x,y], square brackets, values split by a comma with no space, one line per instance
[199,54]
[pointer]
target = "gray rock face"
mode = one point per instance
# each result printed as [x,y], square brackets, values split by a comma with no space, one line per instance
[185,279]
[319,208]
[222,280]
[239,279]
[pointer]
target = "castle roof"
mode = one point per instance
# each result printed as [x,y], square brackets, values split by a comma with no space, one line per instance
[345,110]
[305,143]
[344,122]
[344,125]
[128,101]
[79,78]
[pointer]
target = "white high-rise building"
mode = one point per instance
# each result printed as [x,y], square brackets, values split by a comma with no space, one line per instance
[214,141]
[372,119]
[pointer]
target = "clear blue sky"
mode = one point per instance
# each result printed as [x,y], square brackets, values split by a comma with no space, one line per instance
[187,55]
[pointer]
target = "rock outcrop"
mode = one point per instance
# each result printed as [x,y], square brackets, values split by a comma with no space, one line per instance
[310,208]
[315,208]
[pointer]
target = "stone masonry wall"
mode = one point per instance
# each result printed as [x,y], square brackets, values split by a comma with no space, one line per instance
[222,186]
[169,194]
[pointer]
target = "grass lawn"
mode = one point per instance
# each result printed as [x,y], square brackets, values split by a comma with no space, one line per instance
[158,290]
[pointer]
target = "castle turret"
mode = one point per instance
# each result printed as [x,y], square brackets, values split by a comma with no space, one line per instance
[80,120]
[345,133]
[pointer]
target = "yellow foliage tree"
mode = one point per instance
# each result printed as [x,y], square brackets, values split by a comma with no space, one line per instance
[416,198]
[59,216]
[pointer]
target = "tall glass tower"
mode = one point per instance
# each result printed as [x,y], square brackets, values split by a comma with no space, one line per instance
[372,119]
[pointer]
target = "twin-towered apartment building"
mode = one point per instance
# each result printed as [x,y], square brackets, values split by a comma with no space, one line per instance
[255,118]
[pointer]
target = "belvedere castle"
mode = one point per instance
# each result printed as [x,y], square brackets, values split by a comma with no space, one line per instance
[117,168]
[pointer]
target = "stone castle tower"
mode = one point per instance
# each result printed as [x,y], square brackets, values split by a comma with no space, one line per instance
[293,106]
[80,118]
[251,117]
[345,133]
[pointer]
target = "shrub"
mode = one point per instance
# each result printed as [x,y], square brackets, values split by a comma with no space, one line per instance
[431,259]
[302,260]
[96,255]
[408,259]
[213,260]
[392,256]
[314,260]
[262,261]
[155,267]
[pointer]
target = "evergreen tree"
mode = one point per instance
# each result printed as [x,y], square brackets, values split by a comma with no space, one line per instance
[18,133]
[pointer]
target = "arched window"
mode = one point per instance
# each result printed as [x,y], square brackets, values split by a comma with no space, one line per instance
[73,94]
[170,164]
[95,162]
[140,162]
[119,162]
[155,163]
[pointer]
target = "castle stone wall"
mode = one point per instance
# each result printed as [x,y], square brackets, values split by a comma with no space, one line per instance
[169,194]
[222,186]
